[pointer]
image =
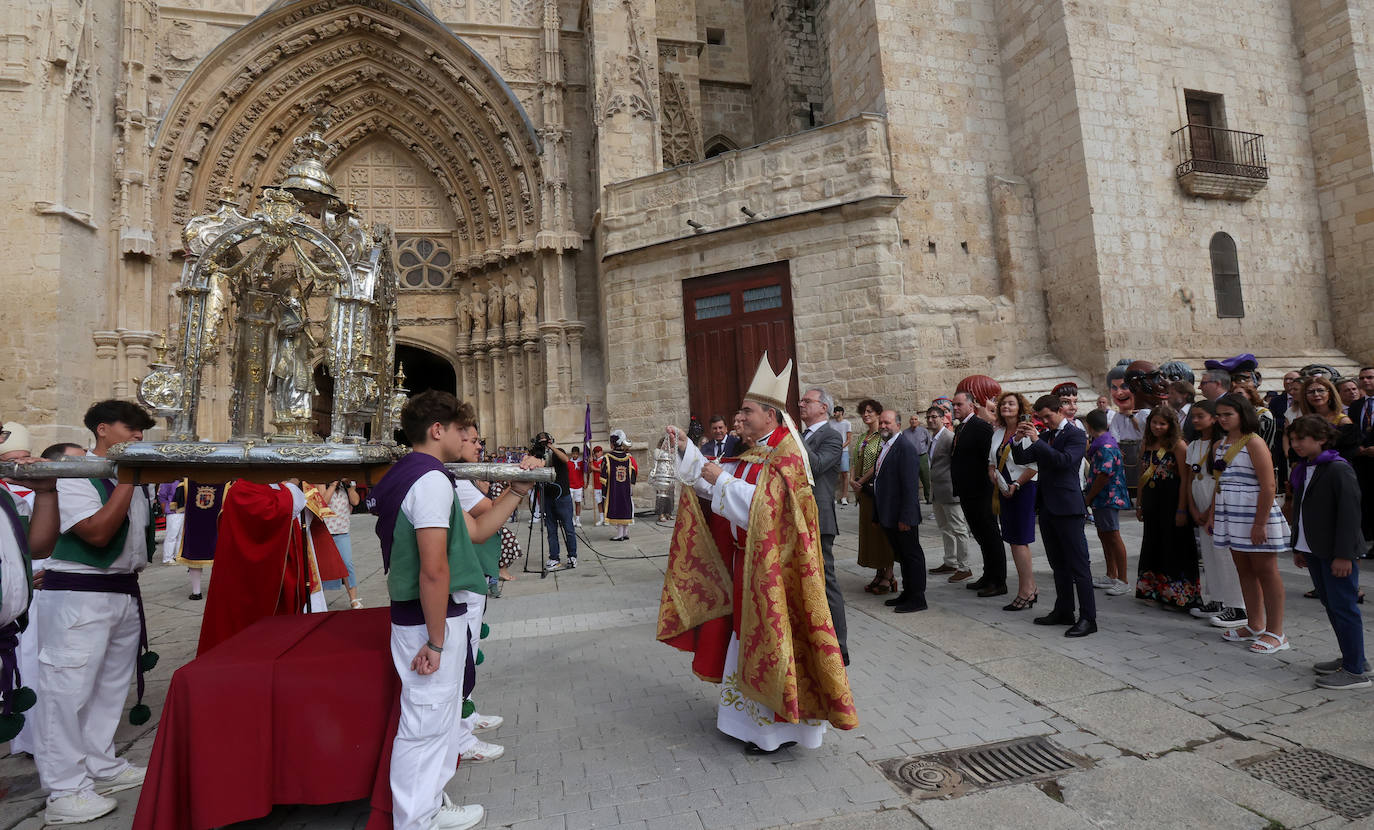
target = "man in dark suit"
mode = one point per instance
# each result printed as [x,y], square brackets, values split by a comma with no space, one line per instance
[969,471]
[719,442]
[1058,453]
[897,510]
[823,448]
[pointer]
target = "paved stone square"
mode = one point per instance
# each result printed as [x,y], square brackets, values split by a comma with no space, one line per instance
[605,728]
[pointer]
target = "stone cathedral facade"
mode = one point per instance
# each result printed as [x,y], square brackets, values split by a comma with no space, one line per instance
[622,203]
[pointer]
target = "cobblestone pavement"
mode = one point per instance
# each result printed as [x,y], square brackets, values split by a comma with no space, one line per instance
[607,728]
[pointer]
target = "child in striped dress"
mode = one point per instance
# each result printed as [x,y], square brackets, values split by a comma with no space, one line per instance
[1246,521]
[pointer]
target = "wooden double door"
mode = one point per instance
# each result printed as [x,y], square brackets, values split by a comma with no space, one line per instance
[731,319]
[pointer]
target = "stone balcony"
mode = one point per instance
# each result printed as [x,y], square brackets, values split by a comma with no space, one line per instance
[1216,163]
[826,167]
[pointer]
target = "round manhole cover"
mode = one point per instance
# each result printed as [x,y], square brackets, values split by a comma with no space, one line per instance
[929,779]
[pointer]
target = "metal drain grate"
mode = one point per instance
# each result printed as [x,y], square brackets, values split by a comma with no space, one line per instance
[1342,786]
[947,774]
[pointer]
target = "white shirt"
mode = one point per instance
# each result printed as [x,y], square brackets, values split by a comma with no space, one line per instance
[1129,428]
[14,587]
[843,427]
[78,500]
[429,501]
[1301,545]
[468,494]
[1013,469]
[730,497]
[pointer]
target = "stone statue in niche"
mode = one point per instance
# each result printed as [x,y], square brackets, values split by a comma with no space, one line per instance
[494,302]
[479,313]
[529,299]
[512,291]
[462,312]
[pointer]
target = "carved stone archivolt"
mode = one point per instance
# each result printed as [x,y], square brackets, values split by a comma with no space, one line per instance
[387,69]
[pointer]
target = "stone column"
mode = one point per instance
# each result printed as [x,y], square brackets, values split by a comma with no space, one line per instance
[533,380]
[107,348]
[136,344]
[573,332]
[465,385]
[502,393]
[519,392]
[483,397]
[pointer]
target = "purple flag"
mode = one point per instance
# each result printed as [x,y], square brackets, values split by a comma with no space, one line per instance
[587,441]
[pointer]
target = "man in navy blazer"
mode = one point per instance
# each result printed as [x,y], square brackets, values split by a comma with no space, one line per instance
[719,442]
[897,510]
[1058,453]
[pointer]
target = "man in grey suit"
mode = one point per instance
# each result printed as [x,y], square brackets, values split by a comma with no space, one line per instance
[823,448]
[950,519]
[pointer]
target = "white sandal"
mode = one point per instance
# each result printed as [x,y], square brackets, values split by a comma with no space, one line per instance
[1261,647]
[1233,635]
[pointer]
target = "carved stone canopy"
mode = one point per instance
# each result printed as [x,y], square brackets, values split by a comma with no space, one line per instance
[385,67]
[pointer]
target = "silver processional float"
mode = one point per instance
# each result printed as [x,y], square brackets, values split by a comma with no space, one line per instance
[257,276]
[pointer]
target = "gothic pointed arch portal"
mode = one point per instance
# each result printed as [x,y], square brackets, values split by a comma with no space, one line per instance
[392,79]
[382,67]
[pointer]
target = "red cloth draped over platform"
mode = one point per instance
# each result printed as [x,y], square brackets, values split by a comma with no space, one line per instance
[291,710]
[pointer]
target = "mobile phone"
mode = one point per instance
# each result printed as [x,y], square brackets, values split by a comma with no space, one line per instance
[1025,419]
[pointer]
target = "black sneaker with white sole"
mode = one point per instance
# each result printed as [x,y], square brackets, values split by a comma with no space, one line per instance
[1230,618]
[1204,610]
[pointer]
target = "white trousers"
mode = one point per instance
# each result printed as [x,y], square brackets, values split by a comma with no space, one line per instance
[954,533]
[89,645]
[1220,583]
[27,654]
[477,604]
[171,542]
[424,755]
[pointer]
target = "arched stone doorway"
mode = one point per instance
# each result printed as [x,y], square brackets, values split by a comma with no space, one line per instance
[429,140]
[426,370]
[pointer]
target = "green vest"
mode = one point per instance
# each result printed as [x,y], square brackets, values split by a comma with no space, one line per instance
[489,554]
[73,548]
[464,567]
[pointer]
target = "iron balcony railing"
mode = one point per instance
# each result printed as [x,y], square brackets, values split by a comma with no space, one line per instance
[1203,149]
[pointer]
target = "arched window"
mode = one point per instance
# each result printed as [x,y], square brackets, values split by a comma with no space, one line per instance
[1226,276]
[717,144]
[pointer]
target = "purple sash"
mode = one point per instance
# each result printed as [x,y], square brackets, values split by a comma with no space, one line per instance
[384,500]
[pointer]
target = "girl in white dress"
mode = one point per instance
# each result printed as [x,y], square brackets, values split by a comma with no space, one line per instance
[1246,521]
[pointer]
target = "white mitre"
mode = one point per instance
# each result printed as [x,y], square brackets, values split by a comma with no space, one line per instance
[771,390]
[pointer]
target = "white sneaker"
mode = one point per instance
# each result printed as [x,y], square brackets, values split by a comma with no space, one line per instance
[572,561]
[486,722]
[483,751]
[844,502]
[1103,582]
[551,565]
[577,521]
[600,522]
[78,808]
[454,817]
[1118,589]
[128,778]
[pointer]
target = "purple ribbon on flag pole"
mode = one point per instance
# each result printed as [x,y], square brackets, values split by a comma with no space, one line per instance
[587,440]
